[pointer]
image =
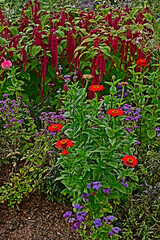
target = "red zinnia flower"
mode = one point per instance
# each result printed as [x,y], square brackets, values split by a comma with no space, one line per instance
[96,88]
[115,112]
[141,62]
[55,127]
[129,160]
[64,144]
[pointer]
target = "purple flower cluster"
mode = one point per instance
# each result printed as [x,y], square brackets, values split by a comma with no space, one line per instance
[108,219]
[114,230]
[132,115]
[97,223]
[94,185]
[106,191]
[158,130]
[52,117]
[80,217]
[120,89]
[124,183]
[85,197]
[67,78]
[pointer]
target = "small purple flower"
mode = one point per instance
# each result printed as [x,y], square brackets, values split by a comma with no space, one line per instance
[49,152]
[20,121]
[85,196]
[71,220]
[19,98]
[109,218]
[116,229]
[80,218]
[110,233]
[157,129]
[77,206]
[106,191]
[60,67]
[37,134]
[5,95]
[97,223]
[39,166]
[128,130]
[6,125]
[158,135]
[25,105]
[13,101]
[94,185]
[125,184]
[136,126]
[67,214]
[138,142]
[122,180]
[77,225]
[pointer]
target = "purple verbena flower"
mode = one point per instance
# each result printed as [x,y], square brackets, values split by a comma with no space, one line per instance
[158,135]
[85,196]
[6,125]
[106,191]
[5,95]
[71,220]
[77,206]
[157,129]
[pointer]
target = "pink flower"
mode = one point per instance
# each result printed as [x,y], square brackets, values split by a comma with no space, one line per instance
[6,64]
[122,83]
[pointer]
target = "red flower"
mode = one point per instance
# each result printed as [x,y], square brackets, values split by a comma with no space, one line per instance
[141,62]
[129,160]
[64,144]
[64,152]
[55,127]
[96,88]
[115,112]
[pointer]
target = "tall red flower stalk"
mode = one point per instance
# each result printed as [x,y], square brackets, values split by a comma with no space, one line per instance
[53,46]
[70,47]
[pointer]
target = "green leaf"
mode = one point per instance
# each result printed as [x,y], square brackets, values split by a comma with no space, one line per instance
[79,48]
[44,18]
[36,50]
[120,187]
[59,33]
[14,30]
[69,133]
[86,40]
[110,178]
[151,133]
[114,194]
[113,164]
[148,25]
[110,132]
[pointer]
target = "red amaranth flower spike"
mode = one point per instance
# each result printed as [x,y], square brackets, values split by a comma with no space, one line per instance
[70,47]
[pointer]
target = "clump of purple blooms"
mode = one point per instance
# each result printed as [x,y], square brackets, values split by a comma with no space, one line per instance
[52,117]
[124,183]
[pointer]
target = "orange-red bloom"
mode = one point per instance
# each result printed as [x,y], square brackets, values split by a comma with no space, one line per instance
[96,88]
[55,127]
[141,62]
[115,112]
[122,83]
[64,144]
[129,160]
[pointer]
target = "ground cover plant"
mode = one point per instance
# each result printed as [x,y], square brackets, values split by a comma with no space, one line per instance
[80,113]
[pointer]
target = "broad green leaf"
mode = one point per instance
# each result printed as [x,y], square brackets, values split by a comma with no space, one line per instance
[151,133]
[120,187]
[36,50]
[110,132]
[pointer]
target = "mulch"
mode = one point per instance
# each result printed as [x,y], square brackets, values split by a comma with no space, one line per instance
[36,219]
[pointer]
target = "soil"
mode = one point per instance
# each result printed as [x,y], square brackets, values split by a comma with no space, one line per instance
[37,219]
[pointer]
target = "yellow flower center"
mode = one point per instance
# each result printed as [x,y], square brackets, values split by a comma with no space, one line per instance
[63,142]
[115,111]
[96,87]
[54,126]
[129,160]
